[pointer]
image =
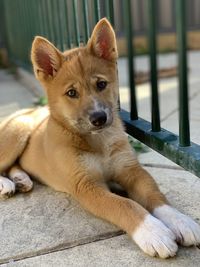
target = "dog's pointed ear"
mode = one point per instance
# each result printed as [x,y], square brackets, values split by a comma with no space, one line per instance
[103,41]
[46,58]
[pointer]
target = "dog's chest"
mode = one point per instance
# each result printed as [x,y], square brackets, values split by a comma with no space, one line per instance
[97,163]
[101,159]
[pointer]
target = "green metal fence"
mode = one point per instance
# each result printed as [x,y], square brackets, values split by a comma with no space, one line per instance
[68,23]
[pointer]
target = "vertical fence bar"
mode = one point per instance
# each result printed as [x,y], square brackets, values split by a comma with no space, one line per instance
[59,24]
[62,24]
[184,130]
[75,20]
[3,23]
[13,31]
[43,8]
[50,21]
[155,112]
[40,17]
[25,24]
[86,20]
[97,10]
[34,14]
[28,11]
[47,16]
[129,34]
[66,24]
[110,11]
[55,21]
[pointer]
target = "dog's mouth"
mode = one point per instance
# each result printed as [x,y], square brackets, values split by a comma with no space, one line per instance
[86,127]
[99,129]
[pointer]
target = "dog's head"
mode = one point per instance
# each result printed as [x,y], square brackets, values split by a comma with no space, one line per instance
[81,84]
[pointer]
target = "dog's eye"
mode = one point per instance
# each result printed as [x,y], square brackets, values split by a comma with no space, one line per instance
[101,85]
[72,93]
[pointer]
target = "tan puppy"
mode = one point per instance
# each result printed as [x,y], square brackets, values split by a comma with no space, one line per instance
[78,145]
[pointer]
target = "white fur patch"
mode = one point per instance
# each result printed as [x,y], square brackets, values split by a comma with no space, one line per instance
[186,230]
[97,106]
[92,162]
[154,238]
[22,181]
[7,187]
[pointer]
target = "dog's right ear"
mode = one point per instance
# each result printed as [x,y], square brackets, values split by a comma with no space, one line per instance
[103,41]
[46,58]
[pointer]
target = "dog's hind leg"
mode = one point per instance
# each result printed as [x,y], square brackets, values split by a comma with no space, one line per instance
[21,179]
[14,134]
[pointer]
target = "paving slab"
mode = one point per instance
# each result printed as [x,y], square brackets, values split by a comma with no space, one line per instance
[152,158]
[46,219]
[8,109]
[13,95]
[114,252]
[28,80]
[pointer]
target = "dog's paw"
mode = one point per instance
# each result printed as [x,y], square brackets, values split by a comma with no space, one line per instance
[186,230]
[155,239]
[22,181]
[7,187]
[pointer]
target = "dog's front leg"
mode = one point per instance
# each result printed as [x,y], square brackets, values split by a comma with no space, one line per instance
[150,234]
[142,188]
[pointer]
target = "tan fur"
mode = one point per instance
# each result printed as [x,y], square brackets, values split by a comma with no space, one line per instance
[63,150]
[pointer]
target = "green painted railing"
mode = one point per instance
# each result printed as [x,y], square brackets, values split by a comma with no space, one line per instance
[68,23]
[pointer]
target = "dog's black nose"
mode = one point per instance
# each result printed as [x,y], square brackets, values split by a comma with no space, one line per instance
[98,118]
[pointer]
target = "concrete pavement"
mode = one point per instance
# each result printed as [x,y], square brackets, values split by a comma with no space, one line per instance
[48,228]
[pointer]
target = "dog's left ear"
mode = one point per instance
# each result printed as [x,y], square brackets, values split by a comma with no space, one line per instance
[103,41]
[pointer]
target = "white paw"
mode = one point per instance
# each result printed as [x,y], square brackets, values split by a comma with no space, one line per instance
[187,231]
[22,181]
[7,187]
[154,238]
